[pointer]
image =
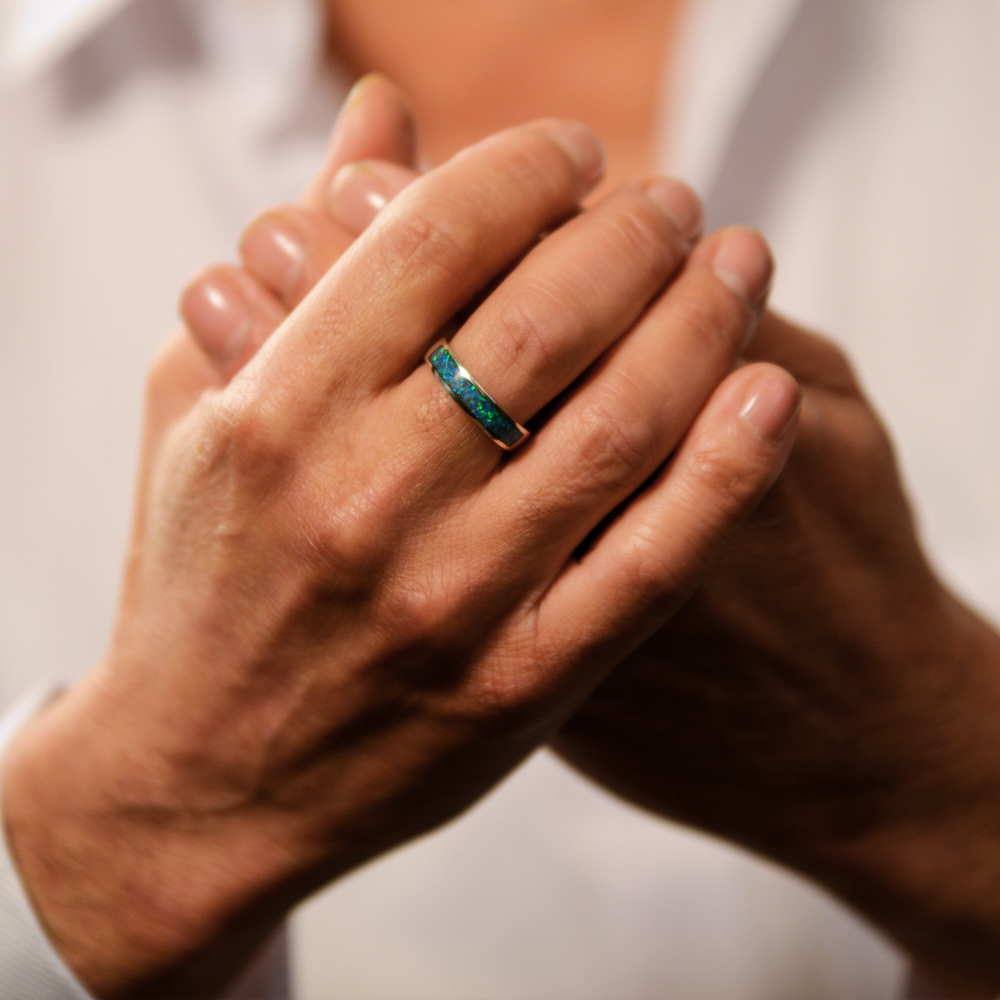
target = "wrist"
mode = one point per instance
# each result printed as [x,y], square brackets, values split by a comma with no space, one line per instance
[919,852]
[137,898]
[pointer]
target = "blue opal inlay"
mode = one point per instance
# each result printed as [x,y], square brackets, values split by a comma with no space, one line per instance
[472,399]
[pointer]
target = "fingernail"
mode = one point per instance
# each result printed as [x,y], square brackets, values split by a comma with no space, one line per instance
[217,315]
[353,98]
[355,92]
[361,190]
[743,263]
[771,405]
[347,108]
[583,145]
[681,204]
[274,253]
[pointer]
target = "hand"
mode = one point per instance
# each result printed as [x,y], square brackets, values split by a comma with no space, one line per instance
[229,318]
[345,615]
[646,713]
[822,698]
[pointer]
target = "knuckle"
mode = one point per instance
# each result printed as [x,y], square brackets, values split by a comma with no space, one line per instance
[541,161]
[525,161]
[725,483]
[249,441]
[644,232]
[415,242]
[548,507]
[168,385]
[416,612]
[345,558]
[344,534]
[616,450]
[523,336]
[717,322]
[421,608]
[438,420]
[652,576]
[517,689]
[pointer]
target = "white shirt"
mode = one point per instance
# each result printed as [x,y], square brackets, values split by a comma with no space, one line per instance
[863,138]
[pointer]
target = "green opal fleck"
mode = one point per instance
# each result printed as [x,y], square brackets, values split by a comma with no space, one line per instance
[472,399]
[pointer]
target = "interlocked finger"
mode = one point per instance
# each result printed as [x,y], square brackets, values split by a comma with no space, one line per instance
[567,302]
[631,412]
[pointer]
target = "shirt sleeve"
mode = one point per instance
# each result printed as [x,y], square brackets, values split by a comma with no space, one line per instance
[29,965]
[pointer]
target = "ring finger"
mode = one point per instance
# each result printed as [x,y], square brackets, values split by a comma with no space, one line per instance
[572,297]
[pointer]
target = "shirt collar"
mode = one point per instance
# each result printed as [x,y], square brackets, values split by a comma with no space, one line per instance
[245,38]
[36,33]
[724,48]
[267,53]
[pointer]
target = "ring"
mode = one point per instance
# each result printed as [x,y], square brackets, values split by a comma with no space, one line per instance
[469,395]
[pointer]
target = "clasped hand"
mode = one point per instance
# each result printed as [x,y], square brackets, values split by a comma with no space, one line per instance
[346,613]
[822,698]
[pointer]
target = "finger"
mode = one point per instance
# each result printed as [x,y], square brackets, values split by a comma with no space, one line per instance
[289,248]
[229,315]
[376,123]
[577,292]
[361,190]
[572,297]
[432,248]
[648,561]
[633,409]
[812,359]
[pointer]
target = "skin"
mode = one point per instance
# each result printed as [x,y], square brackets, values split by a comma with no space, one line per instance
[346,614]
[601,61]
[822,699]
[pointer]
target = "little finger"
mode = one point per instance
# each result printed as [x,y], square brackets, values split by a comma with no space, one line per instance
[631,411]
